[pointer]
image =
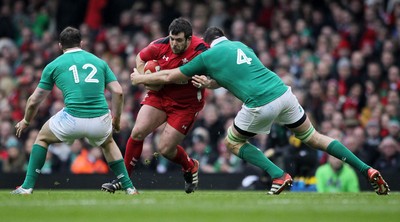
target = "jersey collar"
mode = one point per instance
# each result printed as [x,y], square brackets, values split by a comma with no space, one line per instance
[218,40]
[73,50]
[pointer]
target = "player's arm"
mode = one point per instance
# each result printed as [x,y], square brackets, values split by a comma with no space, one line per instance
[140,63]
[202,81]
[117,102]
[140,67]
[166,76]
[32,107]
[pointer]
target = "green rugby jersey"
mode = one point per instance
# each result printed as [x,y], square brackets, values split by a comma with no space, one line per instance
[236,67]
[82,78]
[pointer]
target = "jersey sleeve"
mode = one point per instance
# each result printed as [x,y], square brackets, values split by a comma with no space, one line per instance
[194,67]
[46,81]
[109,74]
[150,52]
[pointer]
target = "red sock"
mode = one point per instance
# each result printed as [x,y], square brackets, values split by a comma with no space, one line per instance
[183,159]
[133,151]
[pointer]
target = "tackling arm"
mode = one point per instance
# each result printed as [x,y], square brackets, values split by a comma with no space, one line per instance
[162,77]
[202,81]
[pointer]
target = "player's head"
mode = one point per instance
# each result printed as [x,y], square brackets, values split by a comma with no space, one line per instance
[69,38]
[180,35]
[212,33]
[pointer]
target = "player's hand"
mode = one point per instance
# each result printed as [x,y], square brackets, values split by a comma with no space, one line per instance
[201,81]
[134,77]
[20,126]
[116,124]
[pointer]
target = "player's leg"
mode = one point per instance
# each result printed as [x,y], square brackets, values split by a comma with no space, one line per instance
[37,159]
[180,120]
[169,147]
[149,118]
[99,133]
[307,134]
[301,126]
[237,142]
[115,161]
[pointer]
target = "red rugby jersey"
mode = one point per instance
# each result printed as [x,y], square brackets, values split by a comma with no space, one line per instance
[160,50]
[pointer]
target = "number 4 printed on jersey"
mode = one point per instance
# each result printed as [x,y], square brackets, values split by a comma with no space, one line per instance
[242,58]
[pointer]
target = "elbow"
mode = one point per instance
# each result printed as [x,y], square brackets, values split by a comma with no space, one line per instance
[117,90]
[118,93]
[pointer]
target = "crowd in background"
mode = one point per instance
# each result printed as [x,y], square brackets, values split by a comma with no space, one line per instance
[341,59]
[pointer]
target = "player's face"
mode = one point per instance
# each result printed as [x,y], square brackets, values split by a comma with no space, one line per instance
[178,43]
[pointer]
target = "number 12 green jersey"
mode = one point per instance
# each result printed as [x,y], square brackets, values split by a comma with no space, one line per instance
[82,77]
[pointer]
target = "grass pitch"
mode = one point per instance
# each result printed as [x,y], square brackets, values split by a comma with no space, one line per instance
[152,205]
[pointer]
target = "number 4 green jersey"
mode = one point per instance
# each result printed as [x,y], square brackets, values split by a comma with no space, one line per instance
[236,67]
[82,78]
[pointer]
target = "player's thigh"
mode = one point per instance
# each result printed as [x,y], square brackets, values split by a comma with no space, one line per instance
[46,136]
[169,139]
[148,119]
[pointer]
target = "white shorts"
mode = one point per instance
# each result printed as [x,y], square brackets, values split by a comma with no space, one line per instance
[283,110]
[68,128]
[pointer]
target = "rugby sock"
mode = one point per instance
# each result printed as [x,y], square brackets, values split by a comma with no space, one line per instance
[182,159]
[118,168]
[338,150]
[133,151]
[254,156]
[36,162]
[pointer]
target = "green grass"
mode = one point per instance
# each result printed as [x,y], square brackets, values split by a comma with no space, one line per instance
[151,205]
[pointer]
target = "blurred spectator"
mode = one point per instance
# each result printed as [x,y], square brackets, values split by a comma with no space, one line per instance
[15,161]
[202,151]
[389,159]
[7,138]
[212,122]
[336,176]
[60,154]
[89,161]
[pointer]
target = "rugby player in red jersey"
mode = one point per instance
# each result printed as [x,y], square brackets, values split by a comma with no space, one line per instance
[176,105]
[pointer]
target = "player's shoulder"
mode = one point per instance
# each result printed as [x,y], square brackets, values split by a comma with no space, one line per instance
[159,45]
[199,44]
[161,41]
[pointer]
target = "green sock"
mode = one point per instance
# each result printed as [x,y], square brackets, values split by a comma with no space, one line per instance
[36,162]
[119,169]
[254,156]
[341,152]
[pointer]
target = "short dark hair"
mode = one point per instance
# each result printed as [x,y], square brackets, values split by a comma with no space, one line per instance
[179,25]
[212,33]
[70,37]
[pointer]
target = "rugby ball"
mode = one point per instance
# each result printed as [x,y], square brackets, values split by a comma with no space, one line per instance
[151,66]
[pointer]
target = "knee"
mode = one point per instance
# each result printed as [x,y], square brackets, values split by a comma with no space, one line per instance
[228,144]
[232,146]
[137,134]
